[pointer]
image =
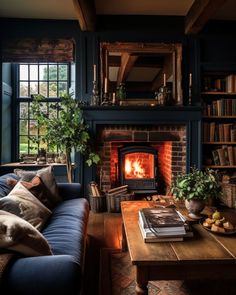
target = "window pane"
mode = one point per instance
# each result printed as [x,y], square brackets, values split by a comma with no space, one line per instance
[43,72]
[33,72]
[33,145]
[42,131]
[52,72]
[23,145]
[33,87]
[43,145]
[33,129]
[23,127]
[24,89]
[62,88]
[63,75]
[52,112]
[23,72]
[43,88]
[23,110]
[52,89]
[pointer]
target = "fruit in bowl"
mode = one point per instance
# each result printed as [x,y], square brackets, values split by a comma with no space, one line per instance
[217,223]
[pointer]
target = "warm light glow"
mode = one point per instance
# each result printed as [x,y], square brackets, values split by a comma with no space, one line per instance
[139,165]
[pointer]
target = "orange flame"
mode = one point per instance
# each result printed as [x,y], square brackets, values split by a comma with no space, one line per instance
[134,168]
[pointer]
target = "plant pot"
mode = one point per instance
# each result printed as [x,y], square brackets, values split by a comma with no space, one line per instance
[194,208]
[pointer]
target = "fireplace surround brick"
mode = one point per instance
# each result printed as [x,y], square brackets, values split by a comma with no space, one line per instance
[168,140]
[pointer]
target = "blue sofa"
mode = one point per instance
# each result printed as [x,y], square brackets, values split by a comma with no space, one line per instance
[62,273]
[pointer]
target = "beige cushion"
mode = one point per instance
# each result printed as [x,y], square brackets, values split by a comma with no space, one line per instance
[37,188]
[24,204]
[19,235]
[47,177]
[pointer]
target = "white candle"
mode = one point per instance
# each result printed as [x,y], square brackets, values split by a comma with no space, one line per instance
[94,73]
[190,80]
[105,86]
[164,79]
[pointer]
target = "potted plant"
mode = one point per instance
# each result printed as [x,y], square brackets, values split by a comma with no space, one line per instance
[195,188]
[65,128]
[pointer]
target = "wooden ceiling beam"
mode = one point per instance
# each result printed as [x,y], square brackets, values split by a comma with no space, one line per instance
[200,12]
[86,14]
[127,62]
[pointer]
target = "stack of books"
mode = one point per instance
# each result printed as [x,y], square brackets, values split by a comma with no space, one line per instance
[162,225]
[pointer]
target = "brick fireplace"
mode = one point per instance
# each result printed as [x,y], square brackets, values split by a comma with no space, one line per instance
[174,132]
[168,140]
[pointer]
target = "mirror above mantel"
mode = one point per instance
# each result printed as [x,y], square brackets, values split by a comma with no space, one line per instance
[143,68]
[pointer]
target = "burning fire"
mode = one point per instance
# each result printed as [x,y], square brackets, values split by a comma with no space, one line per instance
[134,168]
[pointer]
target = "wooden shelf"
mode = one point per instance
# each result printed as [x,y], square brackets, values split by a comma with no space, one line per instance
[217,93]
[219,142]
[219,117]
[219,167]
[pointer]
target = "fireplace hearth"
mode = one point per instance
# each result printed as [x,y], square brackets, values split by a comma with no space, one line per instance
[138,168]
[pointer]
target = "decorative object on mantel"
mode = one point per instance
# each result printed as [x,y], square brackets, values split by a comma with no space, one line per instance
[195,188]
[95,96]
[105,99]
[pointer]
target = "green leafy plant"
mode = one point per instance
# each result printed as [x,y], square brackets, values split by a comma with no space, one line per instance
[64,127]
[197,185]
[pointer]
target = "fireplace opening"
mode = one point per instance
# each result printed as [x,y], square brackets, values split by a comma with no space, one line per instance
[138,168]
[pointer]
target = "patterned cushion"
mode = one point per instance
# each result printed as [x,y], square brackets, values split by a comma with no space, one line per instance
[19,235]
[23,203]
[38,189]
[48,179]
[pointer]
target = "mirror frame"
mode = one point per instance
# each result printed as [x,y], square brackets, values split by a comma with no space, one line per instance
[175,49]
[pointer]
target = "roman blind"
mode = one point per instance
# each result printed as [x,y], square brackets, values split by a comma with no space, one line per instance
[38,50]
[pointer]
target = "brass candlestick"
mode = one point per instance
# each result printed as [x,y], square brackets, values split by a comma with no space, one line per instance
[95,96]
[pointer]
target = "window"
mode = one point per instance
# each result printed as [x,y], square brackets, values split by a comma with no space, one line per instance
[48,79]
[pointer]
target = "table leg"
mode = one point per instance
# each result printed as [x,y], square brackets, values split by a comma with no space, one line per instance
[141,281]
[124,240]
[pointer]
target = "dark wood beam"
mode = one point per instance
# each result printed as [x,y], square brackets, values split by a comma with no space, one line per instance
[127,62]
[200,12]
[86,14]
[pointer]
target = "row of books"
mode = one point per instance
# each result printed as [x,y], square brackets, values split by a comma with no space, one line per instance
[224,156]
[162,225]
[219,132]
[220,107]
[225,84]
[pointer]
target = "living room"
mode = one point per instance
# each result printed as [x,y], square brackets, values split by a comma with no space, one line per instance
[151,78]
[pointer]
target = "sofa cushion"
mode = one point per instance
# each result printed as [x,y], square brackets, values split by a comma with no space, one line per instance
[24,204]
[66,228]
[19,235]
[47,177]
[38,189]
[5,188]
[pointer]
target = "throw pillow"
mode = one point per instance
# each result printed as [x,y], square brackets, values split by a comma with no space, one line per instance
[19,235]
[23,203]
[47,177]
[38,189]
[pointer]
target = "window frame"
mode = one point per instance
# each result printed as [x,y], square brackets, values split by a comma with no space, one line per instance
[18,100]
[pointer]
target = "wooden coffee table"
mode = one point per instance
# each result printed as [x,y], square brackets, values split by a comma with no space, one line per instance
[204,256]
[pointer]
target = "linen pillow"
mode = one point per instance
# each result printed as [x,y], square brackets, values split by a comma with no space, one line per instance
[23,203]
[38,189]
[47,177]
[19,235]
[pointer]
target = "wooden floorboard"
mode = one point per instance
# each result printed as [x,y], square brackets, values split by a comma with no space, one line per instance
[104,231]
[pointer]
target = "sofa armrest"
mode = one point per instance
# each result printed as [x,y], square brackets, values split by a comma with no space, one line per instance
[70,191]
[46,275]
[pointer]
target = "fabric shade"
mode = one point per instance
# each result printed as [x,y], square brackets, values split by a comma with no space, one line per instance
[38,50]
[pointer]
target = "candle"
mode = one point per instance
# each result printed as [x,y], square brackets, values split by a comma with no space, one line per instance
[94,73]
[164,79]
[190,80]
[105,86]
[113,97]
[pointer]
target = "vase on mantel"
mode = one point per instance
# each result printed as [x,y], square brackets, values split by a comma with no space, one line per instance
[195,207]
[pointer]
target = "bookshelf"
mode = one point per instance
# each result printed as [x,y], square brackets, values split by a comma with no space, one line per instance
[218,95]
